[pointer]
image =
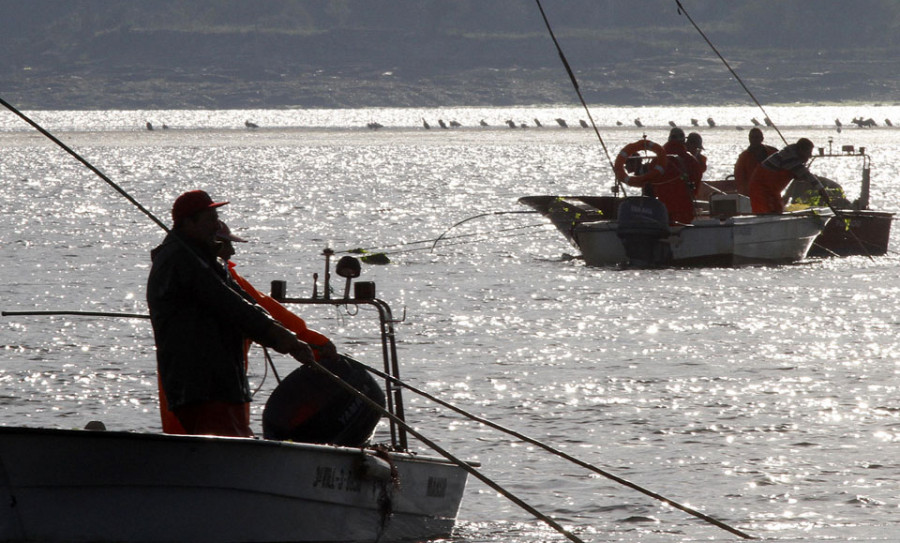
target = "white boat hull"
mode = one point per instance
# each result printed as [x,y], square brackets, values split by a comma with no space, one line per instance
[733,241]
[96,486]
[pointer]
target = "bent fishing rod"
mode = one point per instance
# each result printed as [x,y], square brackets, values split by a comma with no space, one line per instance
[824,193]
[384,250]
[489,214]
[561,454]
[562,56]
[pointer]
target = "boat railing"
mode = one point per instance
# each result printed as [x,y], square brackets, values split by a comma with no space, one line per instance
[849,151]
[363,294]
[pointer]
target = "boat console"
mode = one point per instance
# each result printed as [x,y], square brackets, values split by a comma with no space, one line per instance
[348,267]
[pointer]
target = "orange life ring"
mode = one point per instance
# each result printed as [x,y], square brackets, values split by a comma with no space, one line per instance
[655,170]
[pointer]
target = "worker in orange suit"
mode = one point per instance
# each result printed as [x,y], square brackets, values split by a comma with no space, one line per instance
[679,182]
[749,159]
[770,178]
[688,163]
[321,346]
[694,145]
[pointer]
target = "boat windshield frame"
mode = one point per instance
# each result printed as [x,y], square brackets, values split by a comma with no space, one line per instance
[849,151]
[393,392]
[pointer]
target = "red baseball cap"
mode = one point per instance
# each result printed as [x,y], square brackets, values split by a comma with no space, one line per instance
[191,203]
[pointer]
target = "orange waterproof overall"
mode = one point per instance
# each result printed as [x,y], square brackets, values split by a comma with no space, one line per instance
[766,186]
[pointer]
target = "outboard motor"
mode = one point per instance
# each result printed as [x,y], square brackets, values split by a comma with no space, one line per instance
[309,407]
[643,225]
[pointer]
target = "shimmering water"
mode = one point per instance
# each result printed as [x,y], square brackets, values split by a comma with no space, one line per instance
[764,396]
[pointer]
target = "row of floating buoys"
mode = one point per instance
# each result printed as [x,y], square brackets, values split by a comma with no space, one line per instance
[249,124]
[858,121]
[711,123]
[509,122]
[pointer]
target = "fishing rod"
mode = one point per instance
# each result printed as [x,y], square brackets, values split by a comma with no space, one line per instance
[562,454]
[439,238]
[715,189]
[822,190]
[431,444]
[77,314]
[449,456]
[81,159]
[618,186]
[492,237]
[824,193]
[683,11]
[443,403]
[137,204]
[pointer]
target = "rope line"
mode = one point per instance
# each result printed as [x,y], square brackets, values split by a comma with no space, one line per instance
[443,452]
[87,164]
[618,186]
[682,11]
[564,455]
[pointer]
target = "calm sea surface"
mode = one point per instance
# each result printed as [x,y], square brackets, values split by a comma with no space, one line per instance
[766,397]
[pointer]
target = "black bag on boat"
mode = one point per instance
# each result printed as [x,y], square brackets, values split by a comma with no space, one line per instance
[309,407]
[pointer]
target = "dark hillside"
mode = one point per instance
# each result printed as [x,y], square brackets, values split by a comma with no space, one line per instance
[354,53]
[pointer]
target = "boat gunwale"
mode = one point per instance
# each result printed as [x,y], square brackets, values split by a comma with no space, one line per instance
[732,221]
[407,456]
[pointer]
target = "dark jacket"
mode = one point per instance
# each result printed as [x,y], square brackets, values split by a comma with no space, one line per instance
[199,322]
[789,159]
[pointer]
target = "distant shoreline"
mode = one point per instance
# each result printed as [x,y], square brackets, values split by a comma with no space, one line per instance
[861,104]
[541,88]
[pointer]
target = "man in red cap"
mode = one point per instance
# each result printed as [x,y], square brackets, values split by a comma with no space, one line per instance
[200,318]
